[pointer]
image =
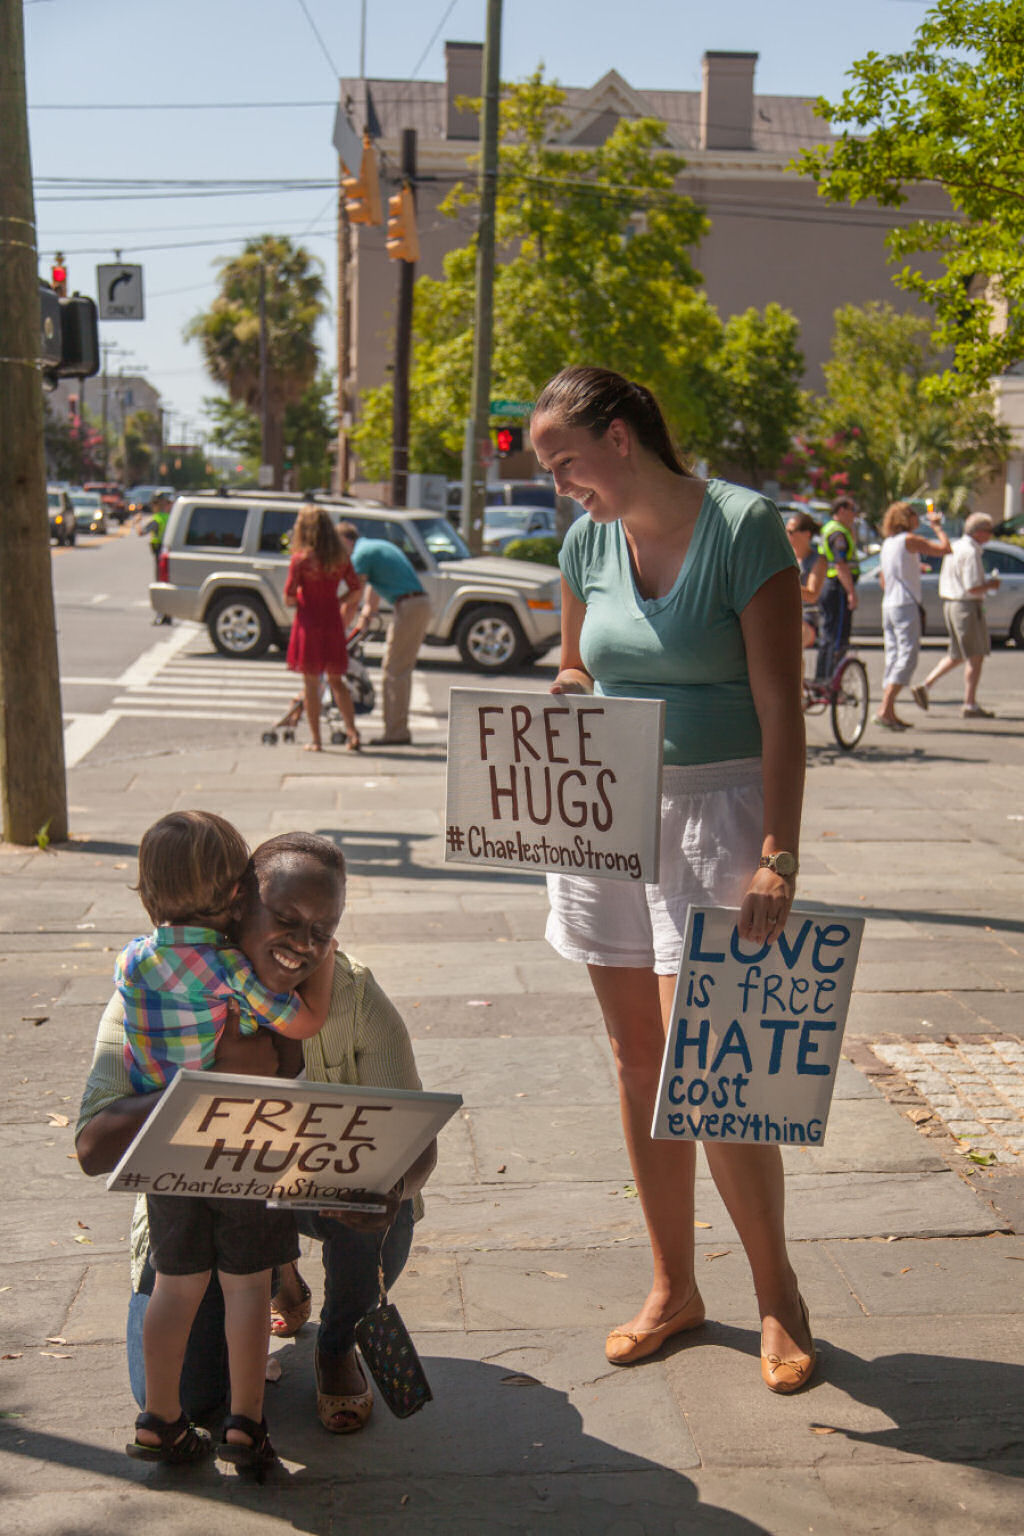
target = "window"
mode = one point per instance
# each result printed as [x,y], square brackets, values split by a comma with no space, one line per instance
[1002,561]
[276,532]
[216,527]
[441,539]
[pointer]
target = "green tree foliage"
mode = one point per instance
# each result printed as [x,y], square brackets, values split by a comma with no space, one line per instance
[229,331]
[947,112]
[880,431]
[759,403]
[309,430]
[593,266]
[140,451]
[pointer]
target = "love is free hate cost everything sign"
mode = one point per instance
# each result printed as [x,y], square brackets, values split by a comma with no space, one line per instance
[756,1033]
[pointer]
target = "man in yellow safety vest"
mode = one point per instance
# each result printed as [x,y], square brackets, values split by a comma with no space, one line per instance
[839,593]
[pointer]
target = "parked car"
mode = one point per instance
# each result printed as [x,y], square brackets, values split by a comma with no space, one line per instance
[139,498]
[503,524]
[61,514]
[1003,609]
[225,558]
[90,516]
[111,495]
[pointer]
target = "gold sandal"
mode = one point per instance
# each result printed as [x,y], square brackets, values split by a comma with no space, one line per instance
[358,1405]
[285,1322]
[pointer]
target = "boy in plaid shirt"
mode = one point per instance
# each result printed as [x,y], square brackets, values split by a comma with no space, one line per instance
[176,985]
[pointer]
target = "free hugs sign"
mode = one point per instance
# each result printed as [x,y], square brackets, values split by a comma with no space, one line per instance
[753,1048]
[563,782]
[292,1142]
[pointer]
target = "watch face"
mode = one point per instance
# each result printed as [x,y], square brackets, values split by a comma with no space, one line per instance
[785,864]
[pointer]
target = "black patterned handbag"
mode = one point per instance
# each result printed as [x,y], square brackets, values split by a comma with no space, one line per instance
[391,1357]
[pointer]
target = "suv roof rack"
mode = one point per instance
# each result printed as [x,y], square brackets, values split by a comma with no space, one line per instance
[321,498]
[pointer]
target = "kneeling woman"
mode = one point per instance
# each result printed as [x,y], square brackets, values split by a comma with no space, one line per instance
[685,590]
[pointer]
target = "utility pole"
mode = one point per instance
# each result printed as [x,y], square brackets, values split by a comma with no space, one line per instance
[403,347]
[341,465]
[264,375]
[478,426]
[32,786]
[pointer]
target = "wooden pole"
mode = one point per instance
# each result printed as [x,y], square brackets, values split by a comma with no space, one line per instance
[341,465]
[403,348]
[32,784]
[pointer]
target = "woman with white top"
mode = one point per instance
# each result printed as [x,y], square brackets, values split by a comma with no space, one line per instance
[900,577]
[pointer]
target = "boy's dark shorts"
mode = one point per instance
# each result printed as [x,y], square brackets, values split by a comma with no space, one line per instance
[188,1234]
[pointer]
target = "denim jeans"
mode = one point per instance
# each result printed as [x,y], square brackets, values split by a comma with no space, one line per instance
[834,634]
[350,1291]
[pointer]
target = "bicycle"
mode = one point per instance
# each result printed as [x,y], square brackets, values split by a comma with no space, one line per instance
[846,694]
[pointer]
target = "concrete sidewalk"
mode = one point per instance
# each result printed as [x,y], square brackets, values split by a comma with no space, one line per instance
[533,1245]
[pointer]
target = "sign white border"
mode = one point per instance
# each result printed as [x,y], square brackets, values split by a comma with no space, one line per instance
[567,783]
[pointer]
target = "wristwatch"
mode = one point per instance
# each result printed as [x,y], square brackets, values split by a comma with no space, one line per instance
[783,864]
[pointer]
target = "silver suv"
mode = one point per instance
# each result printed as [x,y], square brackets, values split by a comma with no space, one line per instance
[225,558]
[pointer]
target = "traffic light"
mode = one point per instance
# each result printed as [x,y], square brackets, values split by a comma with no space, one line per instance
[508,440]
[403,242]
[59,275]
[362,192]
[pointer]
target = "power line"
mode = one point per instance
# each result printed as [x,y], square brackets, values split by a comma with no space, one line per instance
[323,46]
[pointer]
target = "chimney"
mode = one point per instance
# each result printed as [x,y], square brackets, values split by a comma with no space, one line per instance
[464,69]
[727,101]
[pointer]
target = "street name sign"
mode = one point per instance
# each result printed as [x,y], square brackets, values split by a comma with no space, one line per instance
[294,1143]
[753,1048]
[511,407]
[569,783]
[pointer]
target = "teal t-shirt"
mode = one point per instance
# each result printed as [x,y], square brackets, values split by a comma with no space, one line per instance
[383,565]
[686,647]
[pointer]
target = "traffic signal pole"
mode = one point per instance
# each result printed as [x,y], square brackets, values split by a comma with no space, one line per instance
[403,349]
[32,788]
[478,427]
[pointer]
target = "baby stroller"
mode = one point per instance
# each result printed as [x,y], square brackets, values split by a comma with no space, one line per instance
[360,686]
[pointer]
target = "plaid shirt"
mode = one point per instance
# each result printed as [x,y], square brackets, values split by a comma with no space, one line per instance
[174,985]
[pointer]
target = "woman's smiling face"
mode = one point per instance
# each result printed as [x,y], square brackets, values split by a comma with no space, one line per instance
[286,932]
[591,469]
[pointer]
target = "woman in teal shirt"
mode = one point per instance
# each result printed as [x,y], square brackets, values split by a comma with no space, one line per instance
[685,590]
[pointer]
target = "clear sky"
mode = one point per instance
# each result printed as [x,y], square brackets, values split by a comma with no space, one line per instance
[108,59]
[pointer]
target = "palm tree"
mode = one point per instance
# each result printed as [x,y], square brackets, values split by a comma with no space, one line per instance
[229,331]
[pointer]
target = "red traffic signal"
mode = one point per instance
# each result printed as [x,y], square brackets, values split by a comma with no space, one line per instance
[59,276]
[508,440]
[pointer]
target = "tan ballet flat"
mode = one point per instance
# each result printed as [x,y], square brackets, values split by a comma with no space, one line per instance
[781,1375]
[624,1348]
[355,1407]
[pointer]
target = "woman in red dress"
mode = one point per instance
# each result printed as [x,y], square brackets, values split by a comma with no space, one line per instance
[319,564]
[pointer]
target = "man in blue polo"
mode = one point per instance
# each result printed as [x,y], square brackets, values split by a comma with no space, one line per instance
[387,573]
[839,594]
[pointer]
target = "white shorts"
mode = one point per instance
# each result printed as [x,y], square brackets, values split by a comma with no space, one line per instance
[711,839]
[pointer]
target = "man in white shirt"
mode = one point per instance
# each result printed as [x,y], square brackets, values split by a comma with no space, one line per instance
[962,588]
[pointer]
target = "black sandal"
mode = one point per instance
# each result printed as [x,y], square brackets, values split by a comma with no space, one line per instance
[256,1457]
[181,1441]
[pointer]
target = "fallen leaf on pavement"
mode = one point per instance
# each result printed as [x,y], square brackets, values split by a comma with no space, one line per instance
[919,1116]
[53,1354]
[81,1239]
[56,1119]
[477,1002]
[404,1499]
[519,1379]
[34,1018]
[503,1168]
[84,1226]
[552,1274]
[907,1270]
[822,1429]
[11,1357]
[702,1223]
[57,1339]
[722,1253]
[273,1371]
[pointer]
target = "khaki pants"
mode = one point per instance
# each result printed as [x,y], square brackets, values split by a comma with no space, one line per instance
[409,624]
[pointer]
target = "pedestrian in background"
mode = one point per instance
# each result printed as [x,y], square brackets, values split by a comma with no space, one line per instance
[389,574]
[155,525]
[802,531]
[317,645]
[900,577]
[839,594]
[683,590]
[962,588]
